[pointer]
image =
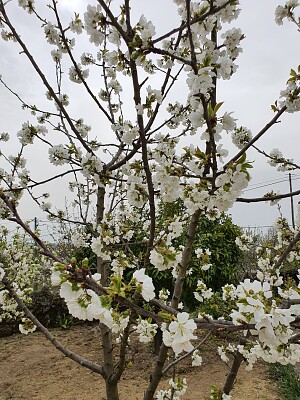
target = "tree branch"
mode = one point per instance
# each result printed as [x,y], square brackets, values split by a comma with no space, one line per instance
[63,349]
[268,198]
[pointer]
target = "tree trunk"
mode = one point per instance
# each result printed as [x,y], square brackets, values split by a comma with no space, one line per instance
[108,365]
[231,377]
[157,341]
[111,390]
[156,374]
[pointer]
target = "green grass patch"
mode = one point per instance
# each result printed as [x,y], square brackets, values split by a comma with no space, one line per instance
[287,380]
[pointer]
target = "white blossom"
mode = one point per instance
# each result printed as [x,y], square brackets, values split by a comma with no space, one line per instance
[147,29]
[196,359]
[146,331]
[2,273]
[27,326]
[77,75]
[93,25]
[58,155]
[27,5]
[147,284]
[179,333]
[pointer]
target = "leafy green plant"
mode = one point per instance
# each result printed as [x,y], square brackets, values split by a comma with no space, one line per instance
[65,321]
[287,380]
[219,237]
[216,306]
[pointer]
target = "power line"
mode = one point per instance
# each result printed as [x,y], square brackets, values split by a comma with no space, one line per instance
[267,184]
[265,181]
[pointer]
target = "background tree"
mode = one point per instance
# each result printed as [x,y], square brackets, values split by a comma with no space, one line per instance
[146,147]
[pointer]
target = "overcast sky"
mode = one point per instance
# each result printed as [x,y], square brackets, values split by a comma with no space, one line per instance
[269,52]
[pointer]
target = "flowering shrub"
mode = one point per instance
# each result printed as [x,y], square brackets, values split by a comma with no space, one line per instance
[139,146]
[25,267]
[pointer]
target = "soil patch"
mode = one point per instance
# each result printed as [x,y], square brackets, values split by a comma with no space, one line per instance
[32,369]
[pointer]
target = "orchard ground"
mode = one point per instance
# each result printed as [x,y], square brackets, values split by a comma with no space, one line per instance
[32,369]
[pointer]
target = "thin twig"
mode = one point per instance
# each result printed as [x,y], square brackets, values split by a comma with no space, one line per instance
[178,360]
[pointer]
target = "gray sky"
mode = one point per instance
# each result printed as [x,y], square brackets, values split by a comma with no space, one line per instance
[269,52]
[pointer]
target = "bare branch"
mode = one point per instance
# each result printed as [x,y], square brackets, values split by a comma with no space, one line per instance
[268,198]
[273,121]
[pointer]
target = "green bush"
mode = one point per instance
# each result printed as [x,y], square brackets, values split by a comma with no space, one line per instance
[48,306]
[287,380]
[219,237]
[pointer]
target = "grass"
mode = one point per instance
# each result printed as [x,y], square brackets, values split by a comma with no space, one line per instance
[287,380]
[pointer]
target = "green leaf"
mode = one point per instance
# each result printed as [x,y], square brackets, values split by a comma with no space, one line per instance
[242,159]
[217,107]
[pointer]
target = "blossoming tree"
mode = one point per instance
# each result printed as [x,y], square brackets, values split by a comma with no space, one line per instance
[146,146]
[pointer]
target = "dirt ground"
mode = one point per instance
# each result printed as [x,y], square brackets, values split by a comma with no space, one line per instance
[32,369]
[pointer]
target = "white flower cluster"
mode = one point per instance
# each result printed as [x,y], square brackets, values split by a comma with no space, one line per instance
[165,258]
[168,184]
[230,185]
[244,242]
[146,29]
[226,396]
[228,292]
[127,130]
[179,333]
[92,166]
[178,113]
[204,258]
[225,63]
[202,82]
[4,210]
[272,324]
[4,136]
[109,233]
[82,128]
[28,132]
[27,5]
[277,160]
[285,11]
[2,273]
[146,331]
[24,178]
[291,96]
[77,75]
[114,36]
[28,269]
[146,284]
[76,26]
[93,24]
[241,136]
[177,389]
[196,359]
[52,34]
[232,39]
[85,304]
[58,155]
[80,239]
[27,326]
[154,95]
[175,229]
[166,179]
[136,191]
[7,36]
[97,246]
[202,292]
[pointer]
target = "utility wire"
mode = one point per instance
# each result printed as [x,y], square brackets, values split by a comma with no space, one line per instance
[271,182]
